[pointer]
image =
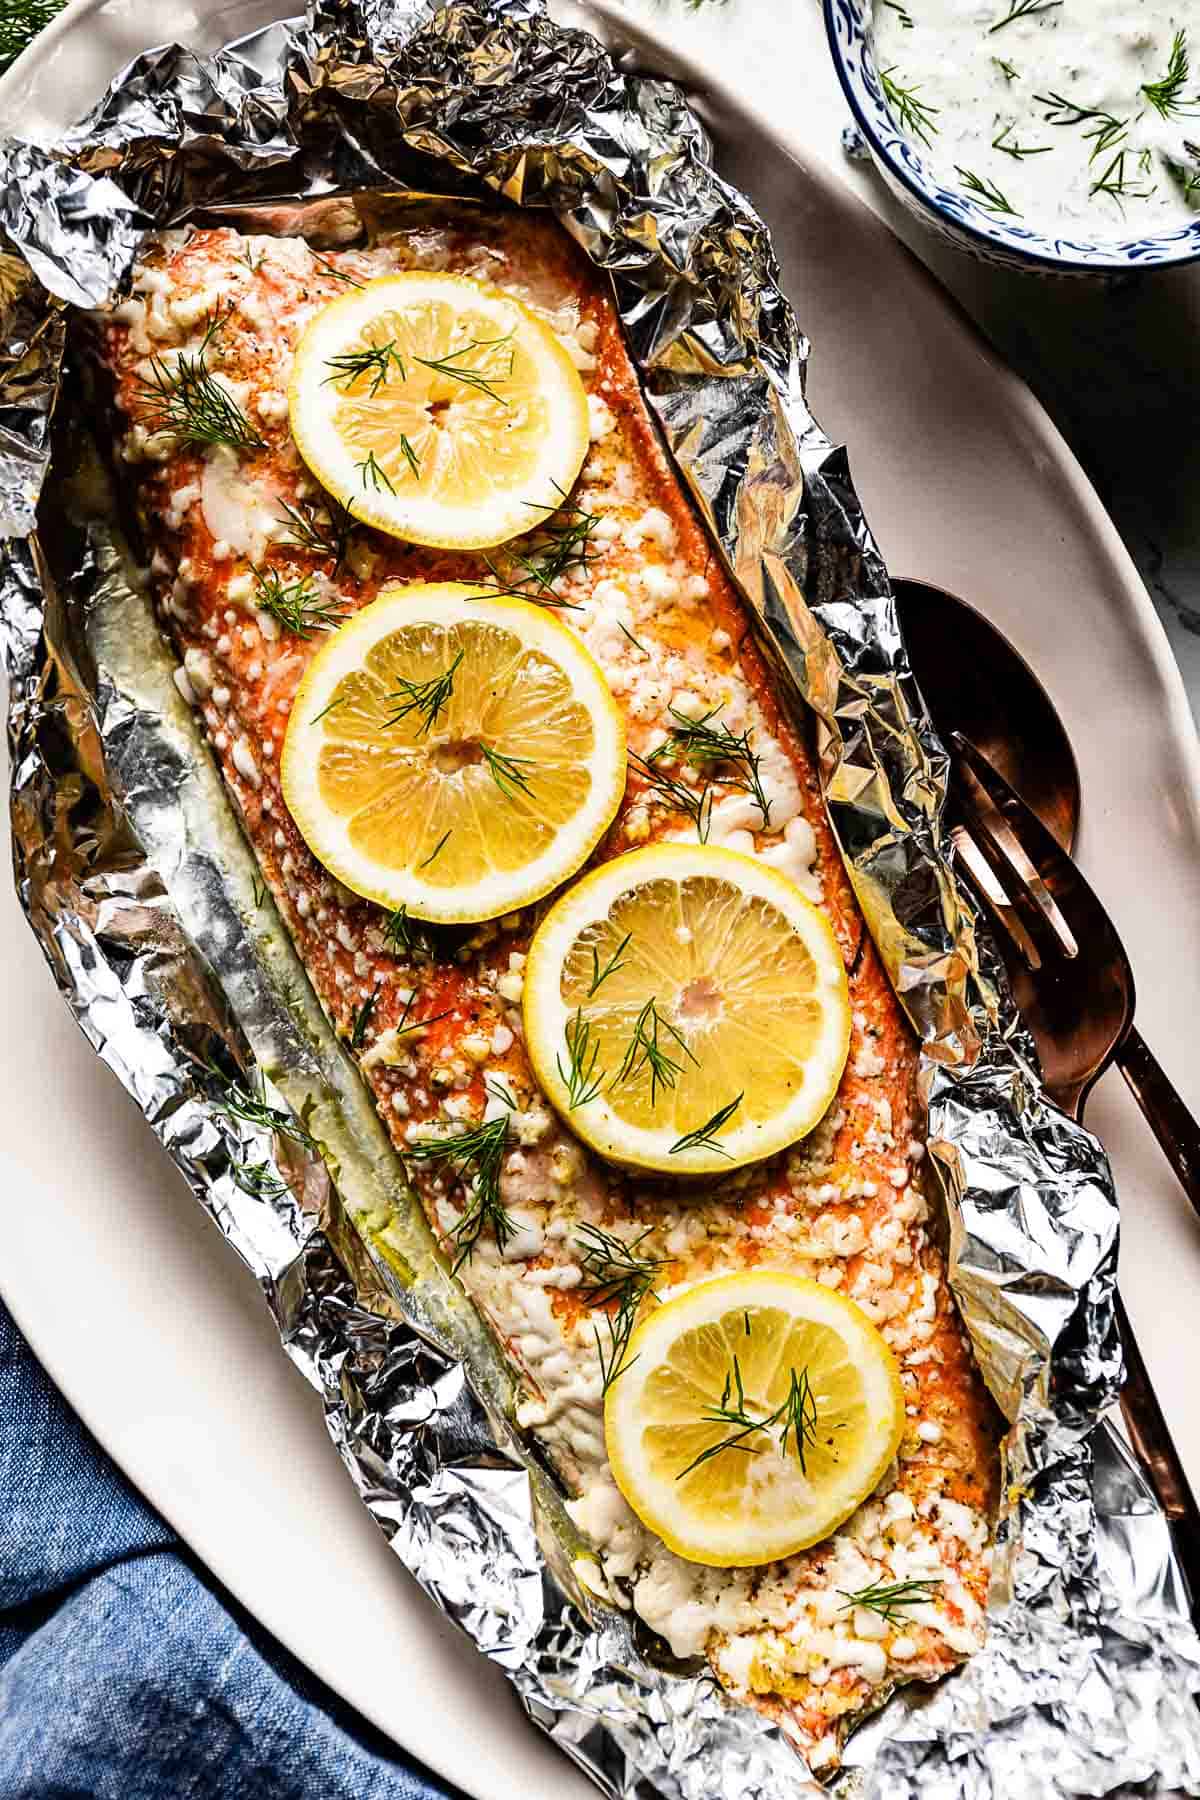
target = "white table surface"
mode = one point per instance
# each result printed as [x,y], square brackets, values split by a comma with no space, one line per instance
[1116,364]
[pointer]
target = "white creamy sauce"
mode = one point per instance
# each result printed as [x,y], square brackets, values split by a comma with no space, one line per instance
[1050,113]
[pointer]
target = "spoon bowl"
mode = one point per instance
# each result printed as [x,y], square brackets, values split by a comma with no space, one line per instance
[973,681]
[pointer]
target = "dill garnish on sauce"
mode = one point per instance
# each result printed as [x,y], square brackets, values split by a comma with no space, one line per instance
[985,192]
[1166,96]
[912,114]
[1023,9]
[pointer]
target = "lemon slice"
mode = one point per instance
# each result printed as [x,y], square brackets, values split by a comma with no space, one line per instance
[752,1415]
[452,752]
[438,409]
[686,1009]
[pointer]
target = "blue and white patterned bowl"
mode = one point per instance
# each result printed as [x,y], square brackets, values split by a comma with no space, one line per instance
[951,211]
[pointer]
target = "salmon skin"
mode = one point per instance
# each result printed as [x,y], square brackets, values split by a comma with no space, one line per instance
[846,1206]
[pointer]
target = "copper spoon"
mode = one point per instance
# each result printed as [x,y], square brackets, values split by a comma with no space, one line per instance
[975,682]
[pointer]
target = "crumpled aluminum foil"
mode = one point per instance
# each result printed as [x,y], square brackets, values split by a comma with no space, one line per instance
[140,890]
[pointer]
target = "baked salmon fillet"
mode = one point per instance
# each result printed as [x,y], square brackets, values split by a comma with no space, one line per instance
[846,1206]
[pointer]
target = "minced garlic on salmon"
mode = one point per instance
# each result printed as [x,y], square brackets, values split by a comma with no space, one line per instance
[846,1206]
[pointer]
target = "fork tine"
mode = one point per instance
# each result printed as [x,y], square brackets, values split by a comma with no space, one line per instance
[998,904]
[1002,820]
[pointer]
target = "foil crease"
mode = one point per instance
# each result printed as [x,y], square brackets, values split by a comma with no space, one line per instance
[138,888]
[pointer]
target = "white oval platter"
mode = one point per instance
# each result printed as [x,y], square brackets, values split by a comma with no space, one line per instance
[139,1311]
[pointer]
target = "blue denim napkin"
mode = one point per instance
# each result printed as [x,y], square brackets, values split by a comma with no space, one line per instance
[125,1672]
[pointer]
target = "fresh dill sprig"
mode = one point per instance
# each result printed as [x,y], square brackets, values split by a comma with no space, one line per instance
[1012,148]
[797,1415]
[374,361]
[612,1267]
[904,16]
[508,771]
[560,545]
[911,113]
[1107,130]
[338,274]
[1188,178]
[889,1598]
[615,1275]
[704,745]
[1023,9]
[371,475]
[260,1180]
[1115,182]
[338,700]
[619,1326]
[253,1108]
[400,934]
[637,644]
[437,849]
[580,1076]
[410,456]
[704,1137]
[644,1051]
[296,605]
[307,532]
[362,1020]
[479,379]
[260,891]
[183,400]
[800,1417]
[430,698]
[1164,95]
[476,1157]
[986,193]
[406,1025]
[601,975]
[253,263]
[20,23]
[677,795]
[1005,68]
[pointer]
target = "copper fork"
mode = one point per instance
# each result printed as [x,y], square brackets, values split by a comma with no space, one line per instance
[1073,985]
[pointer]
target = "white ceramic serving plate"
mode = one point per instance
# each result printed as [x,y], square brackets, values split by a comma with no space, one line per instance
[137,1308]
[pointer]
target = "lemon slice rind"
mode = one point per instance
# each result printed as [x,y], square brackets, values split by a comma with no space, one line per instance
[514,499]
[547,1016]
[344,653]
[804,1508]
